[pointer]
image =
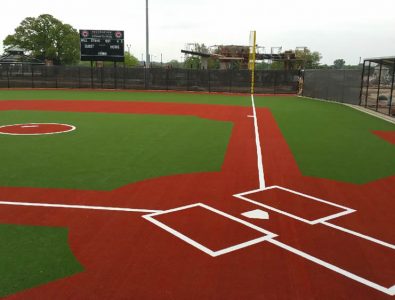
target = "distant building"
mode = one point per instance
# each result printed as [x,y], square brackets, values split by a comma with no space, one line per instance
[15,59]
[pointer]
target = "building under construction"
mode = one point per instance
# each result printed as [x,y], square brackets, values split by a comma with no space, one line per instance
[227,55]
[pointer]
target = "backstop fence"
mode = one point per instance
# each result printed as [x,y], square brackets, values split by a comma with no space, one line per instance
[333,85]
[232,81]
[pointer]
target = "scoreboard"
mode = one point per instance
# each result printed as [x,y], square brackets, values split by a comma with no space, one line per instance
[102,45]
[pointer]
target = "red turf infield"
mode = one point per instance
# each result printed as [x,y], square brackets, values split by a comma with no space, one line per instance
[127,257]
[389,136]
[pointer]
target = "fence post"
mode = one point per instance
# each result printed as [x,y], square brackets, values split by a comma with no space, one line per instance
[46,76]
[8,76]
[378,87]
[367,87]
[91,74]
[361,90]
[187,79]
[167,79]
[32,66]
[344,83]
[115,75]
[101,77]
[79,77]
[230,80]
[327,86]
[275,82]
[124,76]
[56,77]
[145,78]
[209,80]
[392,90]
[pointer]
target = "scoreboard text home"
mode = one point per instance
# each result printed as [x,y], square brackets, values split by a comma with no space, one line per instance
[102,45]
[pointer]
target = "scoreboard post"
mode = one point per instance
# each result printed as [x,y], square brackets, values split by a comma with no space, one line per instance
[102,45]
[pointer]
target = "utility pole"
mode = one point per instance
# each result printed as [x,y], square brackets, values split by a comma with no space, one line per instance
[147,36]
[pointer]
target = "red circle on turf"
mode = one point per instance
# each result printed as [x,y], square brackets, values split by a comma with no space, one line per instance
[35,128]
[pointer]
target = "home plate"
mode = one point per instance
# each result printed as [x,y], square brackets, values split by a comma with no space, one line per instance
[256,214]
[208,229]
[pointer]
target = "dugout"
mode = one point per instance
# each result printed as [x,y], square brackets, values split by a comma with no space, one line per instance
[377,85]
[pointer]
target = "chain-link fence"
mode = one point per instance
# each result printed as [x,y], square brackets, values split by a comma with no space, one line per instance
[378,83]
[334,85]
[232,81]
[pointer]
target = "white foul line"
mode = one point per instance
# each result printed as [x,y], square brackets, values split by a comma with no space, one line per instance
[78,206]
[389,291]
[261,175]
[360,235]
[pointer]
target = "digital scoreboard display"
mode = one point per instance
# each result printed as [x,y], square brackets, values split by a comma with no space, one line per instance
[102,45]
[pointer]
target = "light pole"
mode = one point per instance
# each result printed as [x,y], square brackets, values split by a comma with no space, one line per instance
[128,45]
[147,35]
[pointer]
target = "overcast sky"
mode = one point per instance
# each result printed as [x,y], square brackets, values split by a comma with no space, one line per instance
[346,29]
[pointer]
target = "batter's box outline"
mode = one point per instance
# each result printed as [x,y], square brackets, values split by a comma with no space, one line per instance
[267,234]
[346,210]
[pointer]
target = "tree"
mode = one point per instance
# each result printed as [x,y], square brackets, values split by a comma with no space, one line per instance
[213,64]
[175,64]
[195,61]
[277,65]
[130,60]
[311,59]
[202,48]
[192,62]
[46,38]
[262,66]
[339,63]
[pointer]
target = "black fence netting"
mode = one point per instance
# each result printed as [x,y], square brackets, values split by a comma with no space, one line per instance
[232,81]
[334,85]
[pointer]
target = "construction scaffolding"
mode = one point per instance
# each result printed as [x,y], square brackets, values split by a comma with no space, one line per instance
[227,55]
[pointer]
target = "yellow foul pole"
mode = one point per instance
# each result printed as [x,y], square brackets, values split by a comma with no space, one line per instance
[251,63]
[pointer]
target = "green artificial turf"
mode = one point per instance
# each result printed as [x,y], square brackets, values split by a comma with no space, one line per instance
[334,141]
[108,151]
[328,140]
[33,255]
[124,96]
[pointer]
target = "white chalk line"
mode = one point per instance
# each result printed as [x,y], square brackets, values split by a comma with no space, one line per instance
[322,221]
[108,208]
[363,236]
[269,237]
[267,234]
[389,291]
[261,175]
[346,210]
[262,186]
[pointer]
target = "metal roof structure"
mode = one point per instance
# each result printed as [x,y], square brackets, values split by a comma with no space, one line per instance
[16,55]
[387,60]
